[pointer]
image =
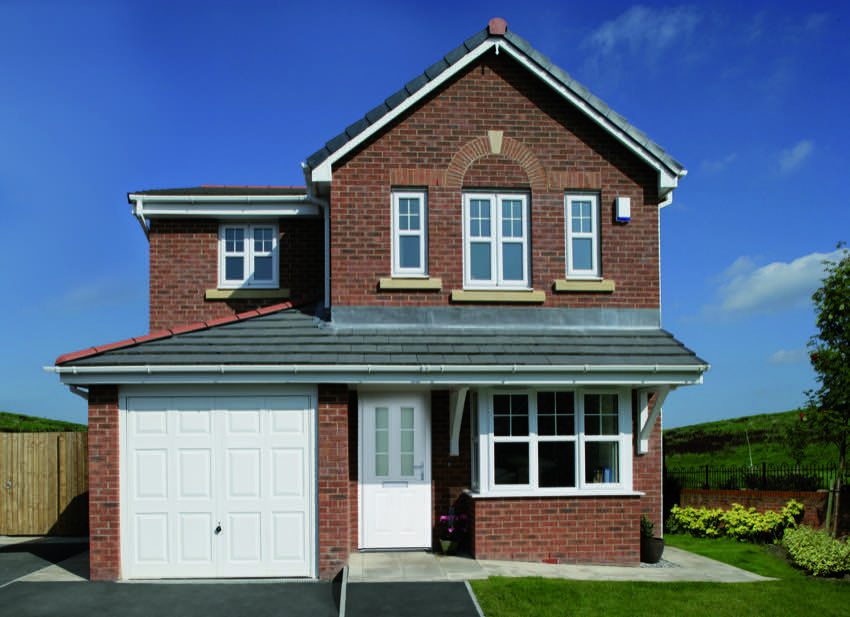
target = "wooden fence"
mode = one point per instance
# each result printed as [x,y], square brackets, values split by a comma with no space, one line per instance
[44,484]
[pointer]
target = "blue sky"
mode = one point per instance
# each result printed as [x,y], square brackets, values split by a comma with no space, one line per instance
[101,98]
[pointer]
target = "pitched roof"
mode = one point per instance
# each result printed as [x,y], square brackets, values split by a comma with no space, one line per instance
[496,31]
[288,335]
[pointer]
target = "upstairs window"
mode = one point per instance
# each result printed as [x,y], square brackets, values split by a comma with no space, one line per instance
[410,234]
[248,256]
[582,217]
[495,247]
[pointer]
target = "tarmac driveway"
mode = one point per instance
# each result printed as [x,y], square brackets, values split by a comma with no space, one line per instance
[22,558]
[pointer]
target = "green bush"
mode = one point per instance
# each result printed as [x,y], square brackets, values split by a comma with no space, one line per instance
[738,523]
[816,551]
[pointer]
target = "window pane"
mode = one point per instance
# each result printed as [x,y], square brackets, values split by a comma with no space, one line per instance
[555,413]
[556,463]
[502,426]
[479,267]
[512,218]
[601,416]
[479,218]
[382,464]
[409,252]
[510,464]
[263,239]
[512,262]
[582,254]
[234,240]
[510,415]
[407,464]
[407,417]
[234,268]
[382,441]
[263,268]
[602,462]
[382,418]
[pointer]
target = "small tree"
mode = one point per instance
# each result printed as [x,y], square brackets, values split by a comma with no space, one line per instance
[830,357]
[795,438]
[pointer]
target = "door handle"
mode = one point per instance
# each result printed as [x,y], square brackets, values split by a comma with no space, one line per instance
[421,469]
[218,528]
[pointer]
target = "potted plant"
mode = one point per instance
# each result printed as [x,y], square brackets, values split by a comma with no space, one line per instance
[651,548]
[452,530]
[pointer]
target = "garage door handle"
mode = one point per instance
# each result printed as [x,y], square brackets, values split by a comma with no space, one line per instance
[218,529]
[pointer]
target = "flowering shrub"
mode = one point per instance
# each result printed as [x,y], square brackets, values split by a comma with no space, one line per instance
[453,526]
[816,551]
[746,525]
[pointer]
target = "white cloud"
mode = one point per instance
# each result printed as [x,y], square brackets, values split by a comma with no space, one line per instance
[718,166]
[747,288]
[791,158]
[789,356]
[643,30]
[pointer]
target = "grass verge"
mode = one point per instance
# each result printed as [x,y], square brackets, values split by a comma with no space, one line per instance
[20,423]
[750,557]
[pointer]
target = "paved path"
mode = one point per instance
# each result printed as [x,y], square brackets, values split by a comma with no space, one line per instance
[378,567]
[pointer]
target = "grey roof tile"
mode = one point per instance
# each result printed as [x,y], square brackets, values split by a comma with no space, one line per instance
[377,113]
[397,99]
[476,39]
[416,83]
[337,142]
[456,54]
[358,127]
[435,69]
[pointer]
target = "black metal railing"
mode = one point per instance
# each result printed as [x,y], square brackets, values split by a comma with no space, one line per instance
[766,477]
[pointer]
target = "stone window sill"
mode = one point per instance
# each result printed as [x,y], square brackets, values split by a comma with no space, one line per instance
[245,294]
[531,296]
[410,284]
[585,286]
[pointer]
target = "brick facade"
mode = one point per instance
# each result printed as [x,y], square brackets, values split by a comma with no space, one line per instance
[104,490]
[547,149]
[184,265]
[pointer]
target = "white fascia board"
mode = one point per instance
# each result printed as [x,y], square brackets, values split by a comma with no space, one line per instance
[324,172]
[481,375]
[225,205]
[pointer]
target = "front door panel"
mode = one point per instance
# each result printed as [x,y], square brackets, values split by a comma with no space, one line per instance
[396,478]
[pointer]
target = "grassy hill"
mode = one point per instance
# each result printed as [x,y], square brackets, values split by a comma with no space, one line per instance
[19,423]
[725,442]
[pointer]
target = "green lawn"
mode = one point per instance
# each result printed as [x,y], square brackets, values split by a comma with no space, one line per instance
[794,594]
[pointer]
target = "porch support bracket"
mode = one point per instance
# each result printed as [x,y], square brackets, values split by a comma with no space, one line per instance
[457,400]
[649,416]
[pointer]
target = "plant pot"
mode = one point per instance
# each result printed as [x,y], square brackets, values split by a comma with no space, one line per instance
[449,546]
[651,549]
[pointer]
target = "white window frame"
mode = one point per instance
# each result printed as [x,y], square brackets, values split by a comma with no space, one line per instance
[496,241]
[421,233]
[248,256]
[486,468]
[595,271]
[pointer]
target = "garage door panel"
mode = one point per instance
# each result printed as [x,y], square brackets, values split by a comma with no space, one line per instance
[152,538]
[287,544]
[244,533]
[243,473]
[242,462]
[194,474]
[287,471]
[151,468]
[195,537]
[194,422]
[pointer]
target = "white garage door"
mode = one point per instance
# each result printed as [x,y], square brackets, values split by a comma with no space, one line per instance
[219,486]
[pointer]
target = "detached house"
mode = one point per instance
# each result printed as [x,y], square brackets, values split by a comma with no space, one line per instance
[460,309]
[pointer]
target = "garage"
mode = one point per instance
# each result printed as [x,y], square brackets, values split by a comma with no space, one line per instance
[218,486]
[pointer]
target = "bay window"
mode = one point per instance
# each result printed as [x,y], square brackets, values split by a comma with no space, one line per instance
[553,442]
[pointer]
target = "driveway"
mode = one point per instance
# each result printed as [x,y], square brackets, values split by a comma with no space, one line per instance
[18,559]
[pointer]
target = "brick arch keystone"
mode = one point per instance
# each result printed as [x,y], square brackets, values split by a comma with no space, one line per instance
[495,143]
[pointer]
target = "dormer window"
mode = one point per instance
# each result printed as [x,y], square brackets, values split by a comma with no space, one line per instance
[248,256]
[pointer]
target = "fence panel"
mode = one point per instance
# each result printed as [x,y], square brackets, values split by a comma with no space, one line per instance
[44,483]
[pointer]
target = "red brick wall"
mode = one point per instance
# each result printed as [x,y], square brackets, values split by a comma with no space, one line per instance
[648,473]
[764,501]
[184,265]
[104,494]
[336,497]
[601,530]
[574,153]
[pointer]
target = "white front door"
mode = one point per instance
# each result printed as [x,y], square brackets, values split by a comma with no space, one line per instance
[219,486]
[395,464]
